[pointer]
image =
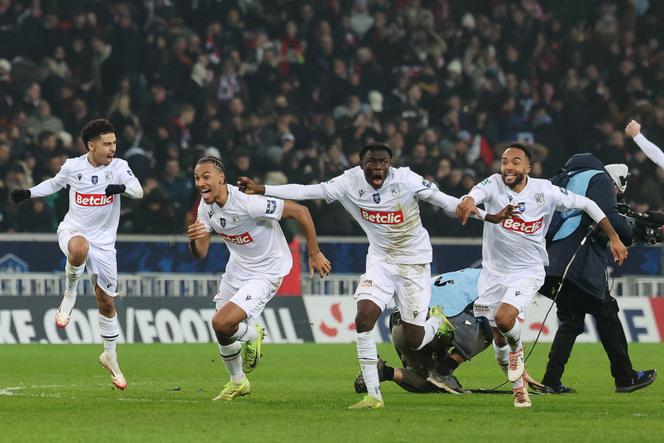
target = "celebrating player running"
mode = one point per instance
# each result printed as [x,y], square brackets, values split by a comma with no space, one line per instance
[514,253]
[88,232]
[259,259]
[384,201]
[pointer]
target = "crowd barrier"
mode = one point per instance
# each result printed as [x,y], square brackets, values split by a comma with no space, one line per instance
[320,319]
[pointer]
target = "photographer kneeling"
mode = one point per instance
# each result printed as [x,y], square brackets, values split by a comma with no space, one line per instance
[585,289]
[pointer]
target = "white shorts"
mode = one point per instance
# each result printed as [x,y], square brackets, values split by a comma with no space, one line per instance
[517,290]
[250,294]
[410,283]
[101,264]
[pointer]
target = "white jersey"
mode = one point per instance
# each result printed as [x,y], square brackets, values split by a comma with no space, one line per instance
[91,212]
[518,244]
[249,224]
[390,216]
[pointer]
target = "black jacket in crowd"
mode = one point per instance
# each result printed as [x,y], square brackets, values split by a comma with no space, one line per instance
[588,270]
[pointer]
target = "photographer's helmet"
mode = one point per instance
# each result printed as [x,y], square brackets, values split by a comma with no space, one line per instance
[619,173]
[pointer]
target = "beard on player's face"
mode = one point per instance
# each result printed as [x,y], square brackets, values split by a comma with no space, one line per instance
[513,178]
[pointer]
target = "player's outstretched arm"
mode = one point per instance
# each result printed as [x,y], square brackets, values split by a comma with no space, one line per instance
[505,213]
[570,200]
[286,192]
[47,187]
[18,195]
[317,261]
[199,239]
[651,150]
[465,208]
[131,189]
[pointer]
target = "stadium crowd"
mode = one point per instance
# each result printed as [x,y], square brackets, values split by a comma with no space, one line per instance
[289,91]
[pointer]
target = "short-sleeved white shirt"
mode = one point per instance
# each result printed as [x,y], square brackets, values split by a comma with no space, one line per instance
[390,216]
[91,212]
[249,225]
[518,244]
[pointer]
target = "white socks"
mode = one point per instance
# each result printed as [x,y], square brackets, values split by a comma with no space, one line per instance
[72,276]
[430,328]
[502,354]
[246,332]
[230,355]
[367,354]
[513,337]
[110,330]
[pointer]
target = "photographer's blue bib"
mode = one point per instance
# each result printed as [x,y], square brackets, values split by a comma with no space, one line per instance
[578,184]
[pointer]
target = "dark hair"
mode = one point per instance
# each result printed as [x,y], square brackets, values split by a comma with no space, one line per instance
[212,160]
[371,147]
[523,148]
[95,128]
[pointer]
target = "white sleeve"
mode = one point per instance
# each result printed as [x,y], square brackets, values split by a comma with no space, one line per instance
[650,149]
[568,200]
[259,206]
[426,191]
[295,192]
[481,192]
[204,216]
[52,185]
[126,177]
[134,188]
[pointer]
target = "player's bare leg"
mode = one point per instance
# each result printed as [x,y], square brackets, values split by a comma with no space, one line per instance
[78,248]
[417,337]
[109,327]
[230,326]
[367,353]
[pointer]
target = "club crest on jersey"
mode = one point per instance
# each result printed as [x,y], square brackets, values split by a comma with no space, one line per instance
[521,206]
[79,175]
[539,198]
[95,179]
[236,220]
[109,176]
[395,189]
[376,198]
[222,222]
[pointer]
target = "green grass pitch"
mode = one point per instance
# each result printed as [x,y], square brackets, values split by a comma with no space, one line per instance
[301,393]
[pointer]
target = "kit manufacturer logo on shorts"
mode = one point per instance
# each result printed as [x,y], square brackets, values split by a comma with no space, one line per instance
[382,218]
[240,239]
[93,199]
[518,225]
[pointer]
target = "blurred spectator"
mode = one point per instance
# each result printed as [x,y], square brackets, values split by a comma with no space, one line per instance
[292,90]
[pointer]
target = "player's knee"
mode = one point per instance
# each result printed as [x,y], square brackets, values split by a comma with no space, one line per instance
[505,320]
[78,250]
[364,322]
[222,327]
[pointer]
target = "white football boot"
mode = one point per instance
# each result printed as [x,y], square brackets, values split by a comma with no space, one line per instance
[111,364]
[63,315]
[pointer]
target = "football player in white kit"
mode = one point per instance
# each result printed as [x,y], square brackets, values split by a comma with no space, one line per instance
[514,251]
[87,234]
[259,259]
[384,201]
